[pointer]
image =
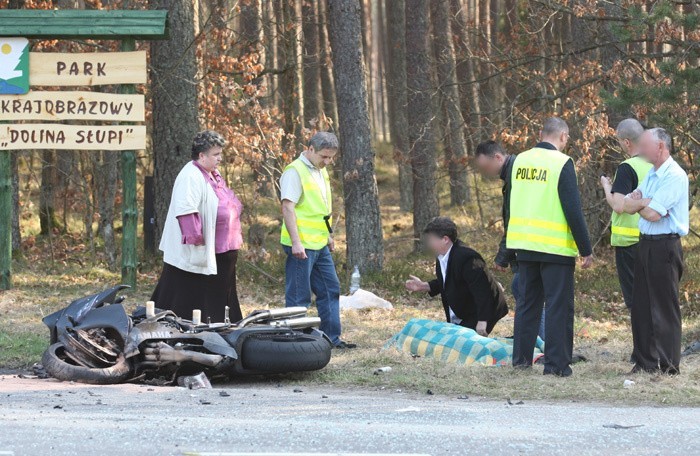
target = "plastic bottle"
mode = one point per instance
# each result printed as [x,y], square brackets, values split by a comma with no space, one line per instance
[355,280]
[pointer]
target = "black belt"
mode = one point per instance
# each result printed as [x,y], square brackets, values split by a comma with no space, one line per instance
[659,237]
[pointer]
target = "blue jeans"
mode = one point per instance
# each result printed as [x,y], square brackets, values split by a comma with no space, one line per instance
[315,274]
[516,295]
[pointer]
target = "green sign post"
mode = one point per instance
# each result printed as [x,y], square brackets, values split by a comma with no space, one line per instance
[16,26]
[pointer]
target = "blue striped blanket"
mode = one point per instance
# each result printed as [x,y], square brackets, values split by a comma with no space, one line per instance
[456,344]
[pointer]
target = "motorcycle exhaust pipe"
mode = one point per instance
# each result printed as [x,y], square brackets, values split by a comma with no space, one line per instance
[272,314]
[287,312]
[297,323]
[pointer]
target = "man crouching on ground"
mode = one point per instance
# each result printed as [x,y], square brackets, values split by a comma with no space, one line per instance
[471,296]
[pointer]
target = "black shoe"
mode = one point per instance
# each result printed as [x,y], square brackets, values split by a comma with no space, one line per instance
[670,370]
[637,369]
[342,345]
[559,373]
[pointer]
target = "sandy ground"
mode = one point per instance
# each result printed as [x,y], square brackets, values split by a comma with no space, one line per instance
[47,417]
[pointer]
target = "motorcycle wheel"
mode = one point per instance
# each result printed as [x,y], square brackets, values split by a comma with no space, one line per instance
[281,353]
[58,365]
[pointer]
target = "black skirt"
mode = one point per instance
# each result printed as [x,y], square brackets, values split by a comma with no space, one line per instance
[183,291]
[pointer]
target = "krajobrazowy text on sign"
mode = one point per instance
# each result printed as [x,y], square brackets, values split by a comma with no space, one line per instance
[78,137]
[73,105]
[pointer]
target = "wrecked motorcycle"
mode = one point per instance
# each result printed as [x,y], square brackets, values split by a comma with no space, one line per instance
[94,340]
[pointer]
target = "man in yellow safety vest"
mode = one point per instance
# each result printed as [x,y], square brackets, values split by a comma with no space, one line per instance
[306,236]
[547,229]
[625,227]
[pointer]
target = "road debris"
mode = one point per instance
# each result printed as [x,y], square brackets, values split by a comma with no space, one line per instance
[620,426]
[199,381]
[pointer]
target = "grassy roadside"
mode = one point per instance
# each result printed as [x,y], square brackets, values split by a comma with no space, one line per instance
[605,341]
[45,283]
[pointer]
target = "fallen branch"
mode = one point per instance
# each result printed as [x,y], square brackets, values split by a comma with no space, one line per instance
[256,268]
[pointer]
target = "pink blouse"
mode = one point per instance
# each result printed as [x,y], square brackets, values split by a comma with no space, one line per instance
[229,235]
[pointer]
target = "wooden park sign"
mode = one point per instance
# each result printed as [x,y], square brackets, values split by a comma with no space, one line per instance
[89,69]
[72,105]
[28,118]
[72,137]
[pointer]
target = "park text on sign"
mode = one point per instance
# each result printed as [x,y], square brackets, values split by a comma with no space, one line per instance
[75,105]
[87,69]
[79,137]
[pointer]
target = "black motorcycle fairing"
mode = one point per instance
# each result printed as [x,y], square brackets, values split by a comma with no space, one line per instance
[155,330]
[76,311]
[113,317]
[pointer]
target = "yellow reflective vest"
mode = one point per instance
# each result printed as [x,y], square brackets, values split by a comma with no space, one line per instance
[310,210]
[537,222]
[625,227]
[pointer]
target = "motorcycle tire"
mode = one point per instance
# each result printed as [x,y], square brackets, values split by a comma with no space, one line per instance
[57,367]
[284,353]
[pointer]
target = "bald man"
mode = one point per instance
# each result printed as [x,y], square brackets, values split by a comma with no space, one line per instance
[625,227]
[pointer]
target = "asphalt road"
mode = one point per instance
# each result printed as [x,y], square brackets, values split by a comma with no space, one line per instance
[46,417]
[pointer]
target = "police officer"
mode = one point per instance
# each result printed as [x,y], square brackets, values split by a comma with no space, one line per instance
[493,161]
[548,230]
[624,227]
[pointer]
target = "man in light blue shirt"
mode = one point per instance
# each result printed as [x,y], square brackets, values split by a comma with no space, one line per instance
[662,203]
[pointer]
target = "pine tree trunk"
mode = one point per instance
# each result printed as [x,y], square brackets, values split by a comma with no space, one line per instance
[466,75]
[47,211]
[484,27]
[313,100]
[252,44]
[366,23]
[363,222]
[293,74]
[396,88]
[105,166]
[381,72]
[16,232]
[251,25]
[174,93]
[420,116]
[271,57]
[330,106]
[455,145]
[297,43]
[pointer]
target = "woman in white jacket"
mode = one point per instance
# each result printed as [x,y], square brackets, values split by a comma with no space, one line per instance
[201,238]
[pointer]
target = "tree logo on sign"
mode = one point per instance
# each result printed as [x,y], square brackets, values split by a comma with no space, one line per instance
[14,66]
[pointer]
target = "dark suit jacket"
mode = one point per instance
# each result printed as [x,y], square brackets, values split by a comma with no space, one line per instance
[470,290]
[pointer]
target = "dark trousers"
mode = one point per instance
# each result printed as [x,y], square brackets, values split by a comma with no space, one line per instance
[552,283]
[656,313]
[183,291]
[625,258]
